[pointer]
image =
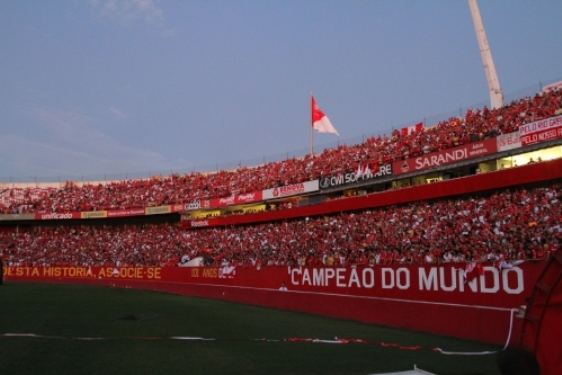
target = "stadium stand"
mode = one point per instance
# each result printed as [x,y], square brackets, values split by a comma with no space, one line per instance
[475,125]
[510,225]
[507,225]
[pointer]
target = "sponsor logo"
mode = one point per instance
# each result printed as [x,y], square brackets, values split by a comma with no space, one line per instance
[17,216]
[195,205]
[351,177]
[291,189]
[132,212]
[510,140]
[246,197]
[158,210]
[473,150]
[227,201]
[443,158]
[543,136]
[199,223]
[405,167]
[285,191]
[94,214]
[55,216]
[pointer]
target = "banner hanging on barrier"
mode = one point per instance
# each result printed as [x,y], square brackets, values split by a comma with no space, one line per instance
[453,155]
[438,283]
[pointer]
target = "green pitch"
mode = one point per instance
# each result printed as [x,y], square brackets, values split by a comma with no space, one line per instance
[134,327]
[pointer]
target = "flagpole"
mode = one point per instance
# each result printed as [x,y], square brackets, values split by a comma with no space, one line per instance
[311,125]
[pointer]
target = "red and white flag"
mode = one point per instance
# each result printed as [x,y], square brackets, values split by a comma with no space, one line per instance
[412,129]
[320,121]
[359,172]
[472,270]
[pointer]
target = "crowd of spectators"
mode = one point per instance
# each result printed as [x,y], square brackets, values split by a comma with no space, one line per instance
[181,189]
[508,225]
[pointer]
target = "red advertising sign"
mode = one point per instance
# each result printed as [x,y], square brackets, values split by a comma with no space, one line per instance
[437,296]
[200,223]
[58,216]
[123,213]
[256,196]
[437,283]
[73,272]
[222,202]
[541,136]
[204,204]
[453,155]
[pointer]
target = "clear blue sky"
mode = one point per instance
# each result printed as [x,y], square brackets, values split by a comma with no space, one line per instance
[121,88]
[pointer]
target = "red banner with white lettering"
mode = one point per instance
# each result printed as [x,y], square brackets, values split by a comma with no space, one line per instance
[256,196]
[125,213]
[424,298]
[541,136]
[447,283]
[59,216]
[453,155]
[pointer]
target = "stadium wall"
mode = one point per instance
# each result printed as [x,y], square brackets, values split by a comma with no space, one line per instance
[434,299]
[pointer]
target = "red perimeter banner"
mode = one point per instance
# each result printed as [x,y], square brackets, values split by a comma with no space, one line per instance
[541,136]
[123,213]
[506,288]
[256,196]
[423,298]
[90,214]
[453,155]
[197,204]
[58,216]
[201,223]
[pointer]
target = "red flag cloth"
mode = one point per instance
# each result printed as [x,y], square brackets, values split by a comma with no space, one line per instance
[412,129]
[375,168]
[320,121]
[472,270]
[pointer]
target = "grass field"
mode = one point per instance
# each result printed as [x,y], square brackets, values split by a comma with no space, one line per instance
[131,323]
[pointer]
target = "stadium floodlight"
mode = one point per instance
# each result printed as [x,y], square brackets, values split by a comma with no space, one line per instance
[496,95]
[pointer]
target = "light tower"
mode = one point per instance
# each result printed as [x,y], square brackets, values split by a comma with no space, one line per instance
[496,95]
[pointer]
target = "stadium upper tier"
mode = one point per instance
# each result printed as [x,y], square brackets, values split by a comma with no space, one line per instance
[476,125]
[509,225]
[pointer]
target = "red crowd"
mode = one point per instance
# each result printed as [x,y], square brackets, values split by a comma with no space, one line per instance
[180,189]
[509,225]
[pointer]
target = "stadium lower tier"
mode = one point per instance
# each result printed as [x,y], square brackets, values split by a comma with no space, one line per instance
[476,303]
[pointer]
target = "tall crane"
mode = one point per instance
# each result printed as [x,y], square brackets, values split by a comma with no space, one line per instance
[496,95]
